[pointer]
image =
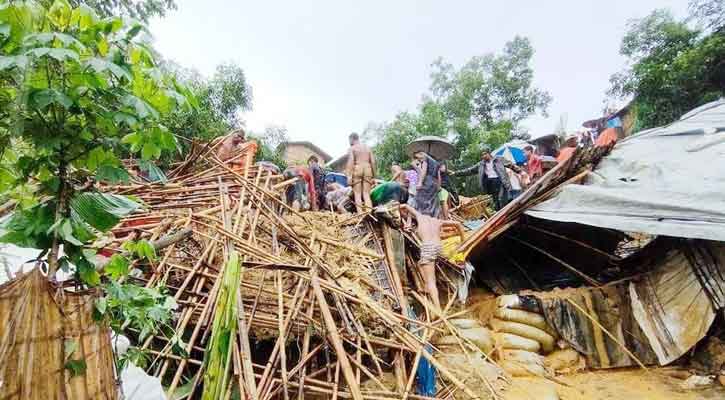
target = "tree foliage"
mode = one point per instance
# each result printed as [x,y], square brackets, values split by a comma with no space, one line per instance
[219,101]
[269,144]
[482,102]
[75,88]
[142,10]
[672,68]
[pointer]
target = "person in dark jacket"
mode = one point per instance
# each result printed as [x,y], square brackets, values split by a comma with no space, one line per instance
[318,177]
[492,177]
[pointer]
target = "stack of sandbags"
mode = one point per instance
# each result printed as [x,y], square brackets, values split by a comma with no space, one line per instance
[521,335]
[478,373]
[471,330]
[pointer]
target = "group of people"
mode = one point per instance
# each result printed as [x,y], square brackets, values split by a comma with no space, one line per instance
[502,179]
[422,193]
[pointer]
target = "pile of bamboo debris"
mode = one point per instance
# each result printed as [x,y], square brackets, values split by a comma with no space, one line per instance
[324,306]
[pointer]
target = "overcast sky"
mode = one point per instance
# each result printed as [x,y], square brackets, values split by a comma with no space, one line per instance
[324,69]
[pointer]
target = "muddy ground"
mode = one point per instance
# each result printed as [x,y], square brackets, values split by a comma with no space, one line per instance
[611,385]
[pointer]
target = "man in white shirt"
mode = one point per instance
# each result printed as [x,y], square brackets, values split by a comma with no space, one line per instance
[492,177]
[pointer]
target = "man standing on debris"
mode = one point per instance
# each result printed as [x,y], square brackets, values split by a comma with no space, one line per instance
[492,177]
[429,231]
[360,172]
[318,178]
[533,163]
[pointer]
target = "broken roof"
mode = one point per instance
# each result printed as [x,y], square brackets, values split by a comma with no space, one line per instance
[663,181]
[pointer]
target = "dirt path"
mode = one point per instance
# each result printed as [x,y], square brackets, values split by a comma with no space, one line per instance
[611,385]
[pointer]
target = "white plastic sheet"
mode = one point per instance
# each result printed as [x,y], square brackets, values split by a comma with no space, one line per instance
[664,181]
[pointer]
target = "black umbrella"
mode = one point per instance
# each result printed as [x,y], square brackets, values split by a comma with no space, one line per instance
[436,146]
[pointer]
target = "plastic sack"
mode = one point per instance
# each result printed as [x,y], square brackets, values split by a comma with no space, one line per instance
[450,246]
[426,376]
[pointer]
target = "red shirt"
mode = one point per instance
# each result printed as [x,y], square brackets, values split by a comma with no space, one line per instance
[607,137]
[565,154]
[307,177]
[534,166]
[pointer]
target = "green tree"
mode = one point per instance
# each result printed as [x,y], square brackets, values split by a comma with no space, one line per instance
[76,89]
[483,102]
[269,144]
[392,139]
[672,68]
[219,102]
[142,10]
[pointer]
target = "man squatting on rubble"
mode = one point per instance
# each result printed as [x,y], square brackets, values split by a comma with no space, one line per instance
[229,146]
[360,172]
[429,230]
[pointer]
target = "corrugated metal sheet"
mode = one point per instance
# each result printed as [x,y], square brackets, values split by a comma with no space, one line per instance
[36,322]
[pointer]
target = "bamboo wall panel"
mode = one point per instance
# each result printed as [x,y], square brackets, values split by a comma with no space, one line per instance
[36,322]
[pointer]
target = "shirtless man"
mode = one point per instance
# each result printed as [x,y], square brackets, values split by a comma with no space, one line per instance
[429,230]
[398,174]
[227,149]
[360,172]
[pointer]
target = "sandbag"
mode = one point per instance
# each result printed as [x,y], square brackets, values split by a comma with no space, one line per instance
[567,359]
[465,323]
[515,342]
[521,316]
[529,332]
[528,303]
[523,363]
[522,356]
[481,337]
[518,369]
[508,301]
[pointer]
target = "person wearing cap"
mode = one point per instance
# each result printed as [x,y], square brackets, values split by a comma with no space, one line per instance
[492,177]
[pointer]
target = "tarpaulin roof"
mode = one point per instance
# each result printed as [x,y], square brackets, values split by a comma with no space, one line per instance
[663,181]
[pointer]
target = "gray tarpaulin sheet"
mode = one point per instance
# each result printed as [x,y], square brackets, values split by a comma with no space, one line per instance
[664,181]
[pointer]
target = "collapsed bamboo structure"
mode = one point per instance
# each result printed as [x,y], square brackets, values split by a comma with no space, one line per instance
[325,308]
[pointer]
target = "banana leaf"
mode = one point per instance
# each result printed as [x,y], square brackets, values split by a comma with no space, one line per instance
[218,355]
[154,173]
[101,211]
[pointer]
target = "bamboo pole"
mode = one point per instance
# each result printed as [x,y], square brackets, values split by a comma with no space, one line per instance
[335,337]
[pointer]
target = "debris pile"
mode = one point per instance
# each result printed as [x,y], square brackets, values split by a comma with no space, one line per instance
[324,306]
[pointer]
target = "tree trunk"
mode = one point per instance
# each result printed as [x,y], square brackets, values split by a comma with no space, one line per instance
[60,213]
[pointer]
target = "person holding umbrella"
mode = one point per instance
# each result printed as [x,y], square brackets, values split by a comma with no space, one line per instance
[427,201]
[492,177]
[427,152]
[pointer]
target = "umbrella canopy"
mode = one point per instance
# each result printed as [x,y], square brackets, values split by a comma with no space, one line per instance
[512,153]
[436,147]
